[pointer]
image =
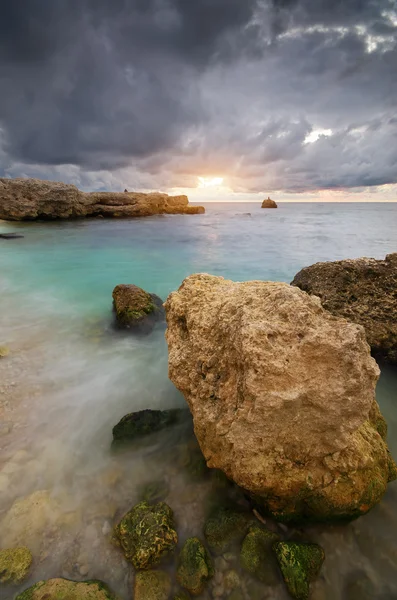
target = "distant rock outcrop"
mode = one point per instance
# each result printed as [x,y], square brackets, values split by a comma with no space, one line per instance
[282,395]
[363,290]
[31,199]
[269,203]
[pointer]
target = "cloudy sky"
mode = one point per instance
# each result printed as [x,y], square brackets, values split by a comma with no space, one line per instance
[292,98]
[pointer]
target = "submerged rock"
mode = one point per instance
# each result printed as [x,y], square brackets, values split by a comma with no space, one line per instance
[282,395]
[147,534]
[64,589]
[299,563]
[144,422]
[14,564]
[4,351]
[226,526]
[268,203]
[10,236]
[181,596]
[195,566]
[363,290]
[257,556]
[31,199]
[136,309]
[152,585]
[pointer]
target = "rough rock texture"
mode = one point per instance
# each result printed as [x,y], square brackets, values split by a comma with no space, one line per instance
[152,585]
[146,534]
[257,556]
[268,203]
[282,395]
[30,199]
[136,309]
[14,564]
[195,566]
[144,422]
[299,563]
[63,589]
[364,291]
[225,527]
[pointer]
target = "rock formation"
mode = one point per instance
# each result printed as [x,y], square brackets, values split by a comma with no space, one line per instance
[364,291]
[136,309]
[268,203]
[282,395]
[31,199]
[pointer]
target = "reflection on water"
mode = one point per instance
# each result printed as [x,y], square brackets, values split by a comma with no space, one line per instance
[69,378]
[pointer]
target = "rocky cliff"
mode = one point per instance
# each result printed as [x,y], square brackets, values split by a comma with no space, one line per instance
[31,199]
[282,395]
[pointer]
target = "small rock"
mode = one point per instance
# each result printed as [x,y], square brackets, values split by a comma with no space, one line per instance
[4,351]
[299,563]
[220,564]
[226,526]
[84,570]
[14,565]
[152,585]
[195,566]
[232,580]
[63,588]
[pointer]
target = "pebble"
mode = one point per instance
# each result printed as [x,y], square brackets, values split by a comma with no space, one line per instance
[84,570]
[220,564]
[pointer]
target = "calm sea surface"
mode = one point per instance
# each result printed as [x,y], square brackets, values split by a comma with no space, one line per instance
[69,378]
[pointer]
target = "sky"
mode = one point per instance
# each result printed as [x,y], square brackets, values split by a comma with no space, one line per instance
[219,99]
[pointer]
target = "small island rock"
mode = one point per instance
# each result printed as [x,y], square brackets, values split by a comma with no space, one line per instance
[195,566]
[363,290]
[269,203]
[136,309]
[282,395]
[14,564]
[146,534]
[300,563]
[64,589]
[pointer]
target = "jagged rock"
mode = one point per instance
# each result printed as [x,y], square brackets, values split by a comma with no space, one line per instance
[31,199]
[195,566]
[256,554]
[64,589]
[363,290]
[282,395]
[139,424]
[14,564]
[136,309]
[147,534]
[225,526]
[268,203]
[300,563]
[152,585]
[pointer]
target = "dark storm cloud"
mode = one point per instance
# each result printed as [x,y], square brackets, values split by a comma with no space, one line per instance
[171,89]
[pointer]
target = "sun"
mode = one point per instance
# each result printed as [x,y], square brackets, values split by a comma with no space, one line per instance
[209,181]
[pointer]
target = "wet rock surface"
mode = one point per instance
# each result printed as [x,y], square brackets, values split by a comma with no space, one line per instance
[63,589]
[136,309]
[145,422]
[195,566]
[282,395]
[15,564]
[362,290]
[299,564]
[152,585]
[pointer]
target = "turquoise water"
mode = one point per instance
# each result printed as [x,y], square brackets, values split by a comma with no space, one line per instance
[69,377]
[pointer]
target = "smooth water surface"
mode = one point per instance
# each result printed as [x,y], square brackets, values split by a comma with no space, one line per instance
[70,377]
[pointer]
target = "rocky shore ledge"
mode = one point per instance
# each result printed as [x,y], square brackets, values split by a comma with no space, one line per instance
[33,199]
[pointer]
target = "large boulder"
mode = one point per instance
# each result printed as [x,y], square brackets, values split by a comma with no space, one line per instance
[282,395]
[30,199]
[363,290]
[136,309]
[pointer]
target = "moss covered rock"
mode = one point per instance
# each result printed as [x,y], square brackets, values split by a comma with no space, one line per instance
[226,526]
[63,589]
[4,351]
[195,566]
[136,309]
[139,424]
[152,585]
[300,563]
[257,556]
[147,534]
[14,564]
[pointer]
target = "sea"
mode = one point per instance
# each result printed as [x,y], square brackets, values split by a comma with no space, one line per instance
[70,376]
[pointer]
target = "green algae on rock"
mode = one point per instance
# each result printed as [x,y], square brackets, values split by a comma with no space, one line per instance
[152,585]
[226,526]
[195,566]
[144,422]
[257,556]
[135,308]
[4,351]
[14,564]
[64,589]
[300,563]
[147,534]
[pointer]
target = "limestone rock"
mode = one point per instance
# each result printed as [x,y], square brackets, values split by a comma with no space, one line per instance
[363,290]
[14,564]
[282,395]
[152,585]
[300,563]
[195,566]
[63,589]
[268,203]
[31,199]
[136,309]
[146,534]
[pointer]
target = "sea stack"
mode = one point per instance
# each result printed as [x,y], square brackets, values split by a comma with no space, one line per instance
[282,395]
[269,203]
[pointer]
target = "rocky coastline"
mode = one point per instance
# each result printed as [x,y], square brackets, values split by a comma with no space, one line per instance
[34,199]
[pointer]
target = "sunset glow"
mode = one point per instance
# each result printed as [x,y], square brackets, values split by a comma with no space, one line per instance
[204,182]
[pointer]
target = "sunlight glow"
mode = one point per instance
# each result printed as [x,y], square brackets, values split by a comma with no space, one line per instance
[316,134]
[204,182]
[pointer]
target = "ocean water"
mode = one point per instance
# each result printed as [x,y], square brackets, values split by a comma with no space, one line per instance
[70,377]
